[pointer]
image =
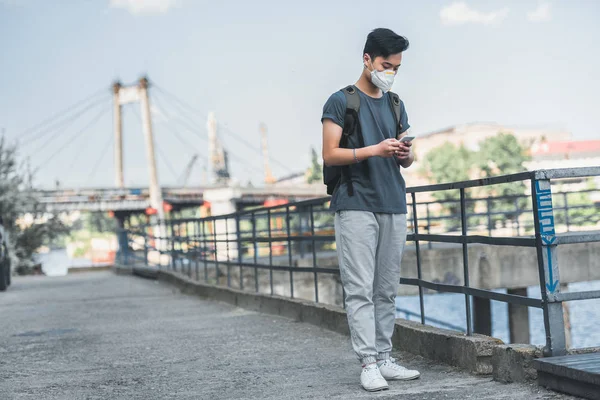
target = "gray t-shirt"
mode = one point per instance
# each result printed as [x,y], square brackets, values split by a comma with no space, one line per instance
[382,189]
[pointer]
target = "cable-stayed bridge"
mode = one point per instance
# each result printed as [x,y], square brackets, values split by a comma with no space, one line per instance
[62,139]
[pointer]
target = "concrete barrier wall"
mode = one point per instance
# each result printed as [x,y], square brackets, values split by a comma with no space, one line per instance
[472,353]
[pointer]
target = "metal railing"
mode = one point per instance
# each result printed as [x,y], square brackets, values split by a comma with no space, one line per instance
[265,249]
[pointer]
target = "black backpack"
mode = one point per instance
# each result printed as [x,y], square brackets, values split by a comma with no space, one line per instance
[332,175]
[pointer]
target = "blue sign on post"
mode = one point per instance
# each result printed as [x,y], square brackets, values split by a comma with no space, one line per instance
[548,234]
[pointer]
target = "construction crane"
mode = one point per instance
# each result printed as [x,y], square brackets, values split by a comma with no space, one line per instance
[269,178]
[218,156]
[188,170]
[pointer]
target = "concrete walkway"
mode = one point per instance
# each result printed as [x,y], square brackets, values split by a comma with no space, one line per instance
[102,336]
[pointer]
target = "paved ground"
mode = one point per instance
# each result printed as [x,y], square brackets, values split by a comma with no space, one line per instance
[101,336]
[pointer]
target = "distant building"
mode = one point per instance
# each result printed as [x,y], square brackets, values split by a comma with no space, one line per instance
[470,135]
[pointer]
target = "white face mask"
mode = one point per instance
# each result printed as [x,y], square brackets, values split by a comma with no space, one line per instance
[383,79]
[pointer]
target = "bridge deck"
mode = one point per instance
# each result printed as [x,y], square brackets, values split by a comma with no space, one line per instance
[102,336]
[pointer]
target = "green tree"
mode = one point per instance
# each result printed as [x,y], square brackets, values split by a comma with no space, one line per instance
[16,200]
[502,155]
[582,209]
[444,164]
[315,171]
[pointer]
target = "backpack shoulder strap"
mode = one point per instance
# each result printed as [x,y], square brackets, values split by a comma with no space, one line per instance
[352,98]
[395,103]
[351,123]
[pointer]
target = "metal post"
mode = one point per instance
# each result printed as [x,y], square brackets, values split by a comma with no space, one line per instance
[187,248]
[429,244]
[548,267]
[517,214]
[418,250]
[566,210]
[172,237]
[489,216]
[463,217]
[239,249]
[214,222]
[289,239]
[228,257]
[255,251]
[314,251]
[270,251]
[205,249]
[196,246]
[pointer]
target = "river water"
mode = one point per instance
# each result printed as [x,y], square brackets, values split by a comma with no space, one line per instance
[447,308]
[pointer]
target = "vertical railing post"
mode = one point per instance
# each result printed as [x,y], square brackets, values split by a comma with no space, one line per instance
[228,256]
[197,254]
[489,216]
[517,214]
[566,202]
[270,251]
[429,244]
[238,232]
[545,235]
[314,251]
[216,244]
[172,250]
[255,246]
[463,217]
[418,251]
[288,219]
[205,249]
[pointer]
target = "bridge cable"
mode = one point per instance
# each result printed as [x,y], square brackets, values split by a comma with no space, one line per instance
[175,133]
[58,130]
[234,156]
[73,137]
[238,137]
[99,160]
[49,123]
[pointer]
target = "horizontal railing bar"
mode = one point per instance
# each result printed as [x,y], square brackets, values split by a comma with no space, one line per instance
[578,238]
[581,172]
[486,294]
[274,267]
[472,183]
[572,296]
[489,240]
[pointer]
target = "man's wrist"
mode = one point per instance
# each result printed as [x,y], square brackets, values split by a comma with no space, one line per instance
[407,162]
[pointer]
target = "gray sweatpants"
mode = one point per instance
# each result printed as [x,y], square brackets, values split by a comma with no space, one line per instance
[370,247]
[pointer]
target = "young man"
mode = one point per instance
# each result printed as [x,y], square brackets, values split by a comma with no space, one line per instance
[370,218]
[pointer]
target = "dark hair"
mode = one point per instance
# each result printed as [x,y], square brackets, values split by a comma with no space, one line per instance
[384,42]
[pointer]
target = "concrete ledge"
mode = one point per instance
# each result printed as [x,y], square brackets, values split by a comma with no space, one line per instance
[473,353]
[514,363]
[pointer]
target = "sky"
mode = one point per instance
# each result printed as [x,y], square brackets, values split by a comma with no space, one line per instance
[518,63]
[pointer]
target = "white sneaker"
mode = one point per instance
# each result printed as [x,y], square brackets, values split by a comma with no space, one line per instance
[392,371]
[371,379]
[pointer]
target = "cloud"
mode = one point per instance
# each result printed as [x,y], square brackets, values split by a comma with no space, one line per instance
[141,7]
[541,13]
[459,13]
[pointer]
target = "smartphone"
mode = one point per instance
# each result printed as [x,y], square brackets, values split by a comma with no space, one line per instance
[407,139]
